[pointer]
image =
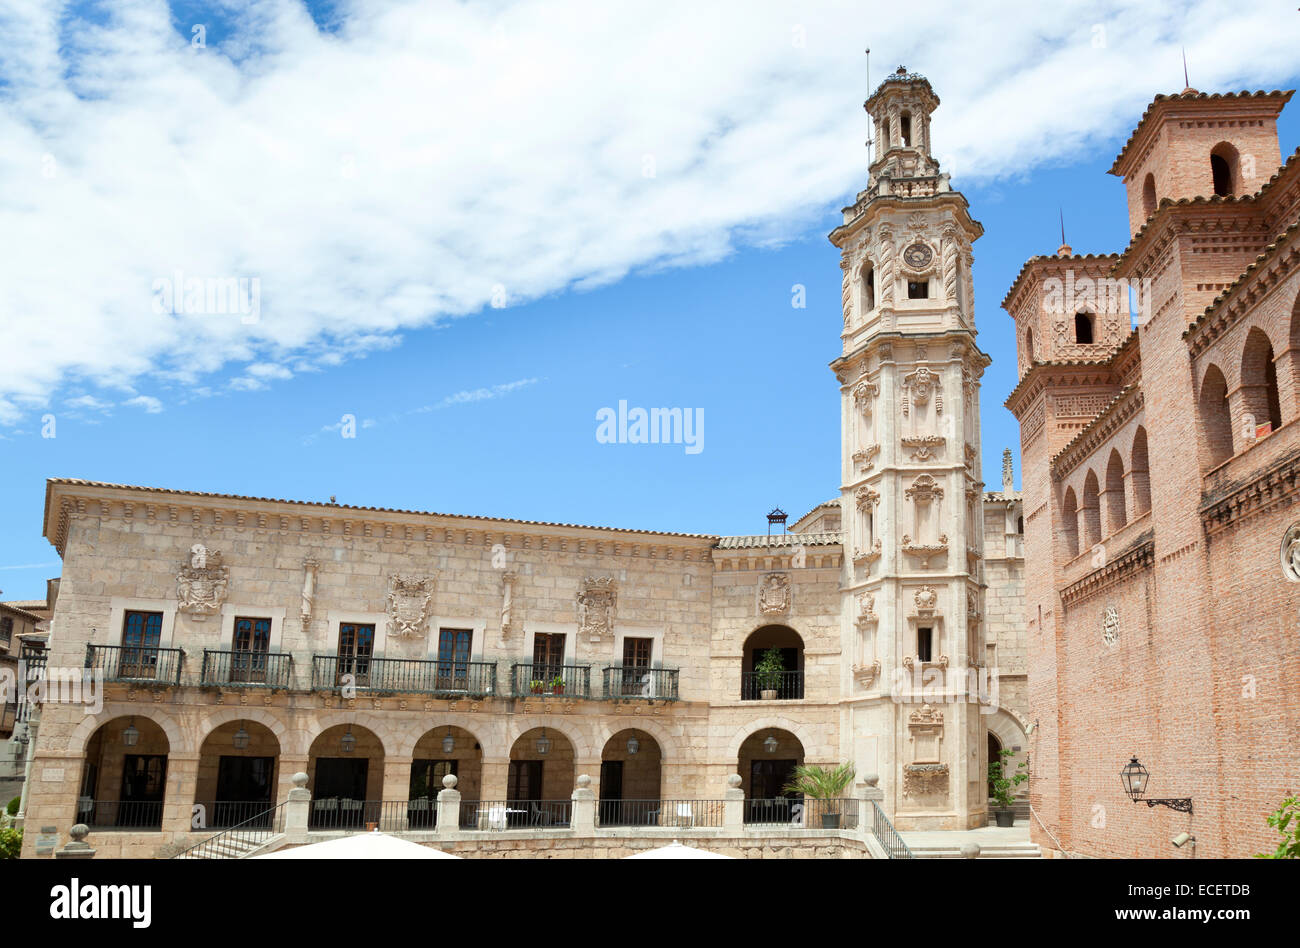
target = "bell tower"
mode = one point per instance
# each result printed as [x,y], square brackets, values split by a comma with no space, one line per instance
[911,489]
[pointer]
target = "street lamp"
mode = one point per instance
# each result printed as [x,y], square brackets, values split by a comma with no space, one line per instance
[543,743]
[241,737]
[448,742]
[769,745]
[349,742]
[1134,777]
[633,745]
[131,736]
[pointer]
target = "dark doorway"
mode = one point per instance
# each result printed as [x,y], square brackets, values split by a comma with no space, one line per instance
[768,802]
[144,780]
[611,793]
[995,756]
[241,781]
[340,791]
[453,659]
[426,782]
[523,791]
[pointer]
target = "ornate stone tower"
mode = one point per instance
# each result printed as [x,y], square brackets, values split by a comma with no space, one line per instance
[911,490]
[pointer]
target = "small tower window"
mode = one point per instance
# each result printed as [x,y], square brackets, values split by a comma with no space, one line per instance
[918,289]
[1149,196]
[1222,176]
[905,129]
[1083,329]
[923,636]
[868,288]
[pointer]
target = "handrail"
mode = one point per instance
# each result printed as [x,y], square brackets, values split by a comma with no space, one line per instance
[887,836]
[208,848]
[1061,849]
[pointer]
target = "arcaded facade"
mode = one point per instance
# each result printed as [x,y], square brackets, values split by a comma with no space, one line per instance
[1159,389]
[242,640]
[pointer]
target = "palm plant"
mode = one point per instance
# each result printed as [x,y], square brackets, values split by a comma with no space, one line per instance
[769,669]
[822,783]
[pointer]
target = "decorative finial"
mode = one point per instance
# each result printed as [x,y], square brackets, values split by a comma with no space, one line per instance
[1064,250]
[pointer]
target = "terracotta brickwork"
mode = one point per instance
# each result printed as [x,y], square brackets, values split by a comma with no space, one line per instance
[1160,483]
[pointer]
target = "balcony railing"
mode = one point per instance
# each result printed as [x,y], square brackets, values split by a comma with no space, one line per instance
[502,815]
[223,814]
[787,685]
[136,663]
[259,669]
[242,838]
[406,675]
[886,835]
[120,814]
[537,679]
[775,811]
[676,813]
[622,681]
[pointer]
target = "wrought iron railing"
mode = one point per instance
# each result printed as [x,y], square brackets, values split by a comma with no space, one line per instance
[842,813]
[502,815]
[260,669]
[405,675]
[223,814]
[136,663]
[624,681]
[774,811]
[675,813]
[120,814]
[538,679]
[887,836]
[782,686]
[241,839]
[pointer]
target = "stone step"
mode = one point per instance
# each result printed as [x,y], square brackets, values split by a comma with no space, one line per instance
[1008,851]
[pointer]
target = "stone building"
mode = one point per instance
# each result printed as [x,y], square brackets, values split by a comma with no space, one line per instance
[1157,397]
[242,640]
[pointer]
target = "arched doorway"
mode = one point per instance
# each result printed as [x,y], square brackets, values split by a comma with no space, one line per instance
[345,773]
[539,785]
[442,751]
[995,756]
[630,772]
[768,758]
[237,776]
[124,776]
[783,644]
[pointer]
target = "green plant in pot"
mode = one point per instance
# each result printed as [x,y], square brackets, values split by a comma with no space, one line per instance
[768,672]
[824,784]
[536,686]
[557,685]
[1001,786]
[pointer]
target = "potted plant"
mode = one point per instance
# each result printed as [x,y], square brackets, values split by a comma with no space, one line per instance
[1001,786]
[822,783]
[768,672]
[557,685]
[536,686]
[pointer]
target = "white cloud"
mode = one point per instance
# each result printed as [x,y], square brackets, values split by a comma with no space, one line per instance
[466,396]
[150,404]
[398,171]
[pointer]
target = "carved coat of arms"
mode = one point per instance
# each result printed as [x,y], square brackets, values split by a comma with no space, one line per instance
[774,594]
[201,583]
[409,599]
[596,601]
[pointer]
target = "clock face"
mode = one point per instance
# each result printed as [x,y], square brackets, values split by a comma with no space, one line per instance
[918,255]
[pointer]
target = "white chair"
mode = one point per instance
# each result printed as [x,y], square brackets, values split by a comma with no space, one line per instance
[684,815]
[497,817]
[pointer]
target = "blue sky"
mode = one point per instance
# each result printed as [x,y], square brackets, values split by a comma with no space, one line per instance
[670,290]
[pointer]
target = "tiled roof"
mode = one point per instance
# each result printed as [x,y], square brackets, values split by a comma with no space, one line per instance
[336,508]
[761,540]
[1189,95]
[1047,258]
[1063,363]
[14,607]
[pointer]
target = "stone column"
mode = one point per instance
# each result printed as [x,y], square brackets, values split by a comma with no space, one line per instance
[448,808]
[297,810]
[496,779]
[733,806]
[287,769]
[77,847]
[393,813]
[178,806]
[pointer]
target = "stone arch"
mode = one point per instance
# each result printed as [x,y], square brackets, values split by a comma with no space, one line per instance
[1070,522]
[1149,202]
[1090,510]
[1225,169]
[1139,465]
[376,724]
[742,733]
[785,638]
[488,734]
[211,720]
[661,735]
[85,729]
[1259,399]
[1116,508]
[521,724]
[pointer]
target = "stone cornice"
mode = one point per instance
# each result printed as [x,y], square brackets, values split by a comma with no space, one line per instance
[1141,555]
[1044,375]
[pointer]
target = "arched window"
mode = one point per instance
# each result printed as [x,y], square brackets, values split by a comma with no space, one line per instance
[905,128]
[1070,523]
[868,288]
[1216,423]
[1083,328]
[1149,196]
[1141,474]
[1223,169]
[1020,525]
[1091,510]
[1259,396]
[1116,514]
[1029,346]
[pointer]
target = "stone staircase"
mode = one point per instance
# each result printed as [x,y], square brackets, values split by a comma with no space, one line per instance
[236,845]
